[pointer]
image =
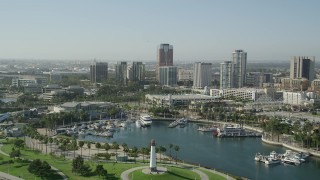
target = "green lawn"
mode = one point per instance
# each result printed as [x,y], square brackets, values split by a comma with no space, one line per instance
[21,169]
[114,169]
[174,173]
[211,174]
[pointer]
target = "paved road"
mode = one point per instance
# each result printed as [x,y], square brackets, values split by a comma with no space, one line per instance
[64,177]
[5,176]
[125,174]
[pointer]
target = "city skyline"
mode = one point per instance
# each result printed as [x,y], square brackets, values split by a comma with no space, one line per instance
[125,30]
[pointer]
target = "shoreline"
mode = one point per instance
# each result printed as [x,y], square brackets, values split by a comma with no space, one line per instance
[256,129]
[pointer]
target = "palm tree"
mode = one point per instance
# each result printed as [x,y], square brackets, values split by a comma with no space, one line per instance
[162,149]
[106,146]
[143,150]
[65,142]
[57,142]
[125,150]
[134,151]
[89,146]
[124,147]
[176,148]
[98,146]
[74,147]
[115,146]
[45,141]
[50,141]
[170,147]
[81,143]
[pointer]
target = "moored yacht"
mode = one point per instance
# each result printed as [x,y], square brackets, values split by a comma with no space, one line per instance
[145,120]
[273,158]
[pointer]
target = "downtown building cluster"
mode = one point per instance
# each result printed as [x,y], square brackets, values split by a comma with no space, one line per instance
[229,79]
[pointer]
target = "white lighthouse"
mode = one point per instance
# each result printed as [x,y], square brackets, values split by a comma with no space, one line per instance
[153,160]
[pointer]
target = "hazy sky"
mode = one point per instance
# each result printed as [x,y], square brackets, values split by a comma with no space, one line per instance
[132,29]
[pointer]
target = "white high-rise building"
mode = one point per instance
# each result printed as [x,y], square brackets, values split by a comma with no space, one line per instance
[302,67]
[226,75]
[239,59]
[202,74]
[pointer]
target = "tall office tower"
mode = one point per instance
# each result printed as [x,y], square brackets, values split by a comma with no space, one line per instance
[239,59]
[98,72]
[165,57]
[302,67]
[202,74]
[168,75]
[121,73]
[226,75]
[138,72]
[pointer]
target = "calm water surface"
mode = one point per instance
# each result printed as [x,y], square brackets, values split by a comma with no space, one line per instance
[232,155]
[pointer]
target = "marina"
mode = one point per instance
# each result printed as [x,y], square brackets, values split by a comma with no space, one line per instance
[229,130]
[289,157]
[232,155]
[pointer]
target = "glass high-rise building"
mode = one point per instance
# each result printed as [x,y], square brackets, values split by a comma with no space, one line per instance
[226,74]
[165,57]
[98,72]
[302,67]
[168,75]
[239,59]
[202,73]
[136,72]
[121,73]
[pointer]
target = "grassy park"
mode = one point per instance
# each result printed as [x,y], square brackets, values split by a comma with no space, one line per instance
[174,173]
[19,168]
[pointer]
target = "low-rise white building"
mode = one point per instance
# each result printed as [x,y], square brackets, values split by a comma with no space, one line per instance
[294,98]
[241,93]
[169,100]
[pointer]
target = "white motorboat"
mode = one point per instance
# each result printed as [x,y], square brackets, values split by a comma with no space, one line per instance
[270,161]
[273,158]
[259,157]
[291,160]
[145,120]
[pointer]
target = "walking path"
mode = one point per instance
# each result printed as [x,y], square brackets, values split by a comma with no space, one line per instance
[5,176]
[64,177]
[202,175]
[125,174]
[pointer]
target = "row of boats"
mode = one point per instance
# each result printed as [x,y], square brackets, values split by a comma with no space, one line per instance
[228,130]
[146,121]
[289,157]
[99,128]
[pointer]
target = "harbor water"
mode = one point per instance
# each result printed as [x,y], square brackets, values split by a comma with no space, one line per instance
[231,155]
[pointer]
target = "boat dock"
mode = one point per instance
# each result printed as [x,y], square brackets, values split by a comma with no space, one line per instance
[289,157]
[182,122]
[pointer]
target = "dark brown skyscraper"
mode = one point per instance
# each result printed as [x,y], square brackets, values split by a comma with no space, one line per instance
[165,57]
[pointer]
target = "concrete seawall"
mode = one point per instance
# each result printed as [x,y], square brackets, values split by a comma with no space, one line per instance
[314,153]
